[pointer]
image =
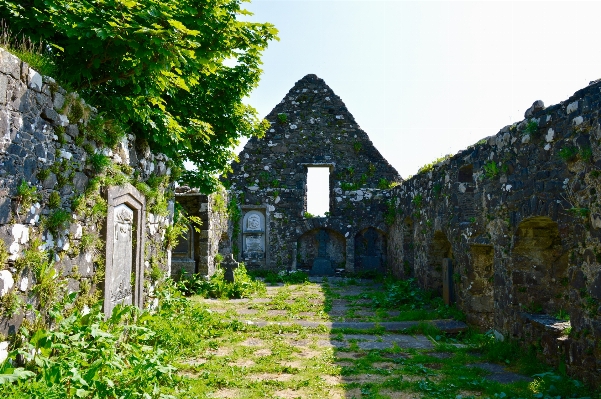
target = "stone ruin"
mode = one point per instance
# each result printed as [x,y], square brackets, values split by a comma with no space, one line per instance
[107,249]
[509,229]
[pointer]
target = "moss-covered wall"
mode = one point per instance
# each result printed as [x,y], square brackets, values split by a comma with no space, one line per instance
[519,214]
[58,157]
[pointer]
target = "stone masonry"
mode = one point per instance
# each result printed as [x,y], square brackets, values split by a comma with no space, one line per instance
[311,127]
[509,228]
[44,149]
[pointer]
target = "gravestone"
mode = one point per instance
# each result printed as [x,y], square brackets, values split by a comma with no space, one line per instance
[322,266]
[229,265]
[125,227]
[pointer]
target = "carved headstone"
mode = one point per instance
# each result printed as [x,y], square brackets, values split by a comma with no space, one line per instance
[125,227]
[120,289]
[229,265]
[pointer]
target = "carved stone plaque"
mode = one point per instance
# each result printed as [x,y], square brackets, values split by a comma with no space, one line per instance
[254,243]
[120,288]
[125,231]
[254,222]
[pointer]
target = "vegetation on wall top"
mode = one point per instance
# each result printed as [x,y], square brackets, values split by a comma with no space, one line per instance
[158,69]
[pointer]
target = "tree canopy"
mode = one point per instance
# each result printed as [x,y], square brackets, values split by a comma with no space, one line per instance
[173,72]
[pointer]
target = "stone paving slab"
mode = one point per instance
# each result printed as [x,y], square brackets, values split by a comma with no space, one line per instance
[451,326]
[499,374]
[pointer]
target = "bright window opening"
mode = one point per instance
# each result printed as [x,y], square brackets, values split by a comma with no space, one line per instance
[318,190]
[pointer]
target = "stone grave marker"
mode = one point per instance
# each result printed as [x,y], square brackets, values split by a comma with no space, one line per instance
[125,228]
[229,265]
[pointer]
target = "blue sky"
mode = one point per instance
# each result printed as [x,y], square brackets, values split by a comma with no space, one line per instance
[425,79]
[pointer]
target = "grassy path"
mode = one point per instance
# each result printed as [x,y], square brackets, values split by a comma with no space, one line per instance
[285,359]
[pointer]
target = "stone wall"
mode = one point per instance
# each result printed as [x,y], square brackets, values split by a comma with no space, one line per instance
[310,127]
[197,251]
[64,193]
[519,216]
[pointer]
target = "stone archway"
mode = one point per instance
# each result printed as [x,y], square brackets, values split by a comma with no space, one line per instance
[321,243]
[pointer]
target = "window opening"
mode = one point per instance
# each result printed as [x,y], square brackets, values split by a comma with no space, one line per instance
[318,190]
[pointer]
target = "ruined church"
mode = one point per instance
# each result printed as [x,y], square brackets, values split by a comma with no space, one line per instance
[508,229]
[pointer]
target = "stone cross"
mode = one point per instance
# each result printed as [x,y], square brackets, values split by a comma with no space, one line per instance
[322,238]
[229,265]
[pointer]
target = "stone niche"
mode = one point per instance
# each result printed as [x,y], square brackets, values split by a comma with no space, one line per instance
[182,256]
[125,228]
[253,237]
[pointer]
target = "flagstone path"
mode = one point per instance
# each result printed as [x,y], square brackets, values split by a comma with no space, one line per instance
[324,340]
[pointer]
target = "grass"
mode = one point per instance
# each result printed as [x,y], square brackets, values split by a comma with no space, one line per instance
[218,354]
[290,361]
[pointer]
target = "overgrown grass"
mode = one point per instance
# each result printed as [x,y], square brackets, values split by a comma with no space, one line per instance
[135,354]
[244,286]
[284,276]
[412,302]
[28,51]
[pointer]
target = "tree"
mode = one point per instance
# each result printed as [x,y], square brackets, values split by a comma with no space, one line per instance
[163,69]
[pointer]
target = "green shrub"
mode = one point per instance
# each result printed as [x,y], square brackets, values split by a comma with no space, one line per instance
[26,195]
[532,128]
[244,286]
[428,167]
[568,153]
[586,153]
[54,200]
[99,162]
[57,220]
[86,356]
[43,174]
[286,277]
[32,257]
[282,118]
[491,170]
[3,254]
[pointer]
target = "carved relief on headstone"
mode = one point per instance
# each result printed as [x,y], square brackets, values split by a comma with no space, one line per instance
[120,289]
[254,222]
[124,243]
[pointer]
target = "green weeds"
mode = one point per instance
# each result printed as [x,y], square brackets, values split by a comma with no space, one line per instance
[491,170]
[244,286]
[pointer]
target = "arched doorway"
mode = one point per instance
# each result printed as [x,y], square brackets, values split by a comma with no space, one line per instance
[324,245]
